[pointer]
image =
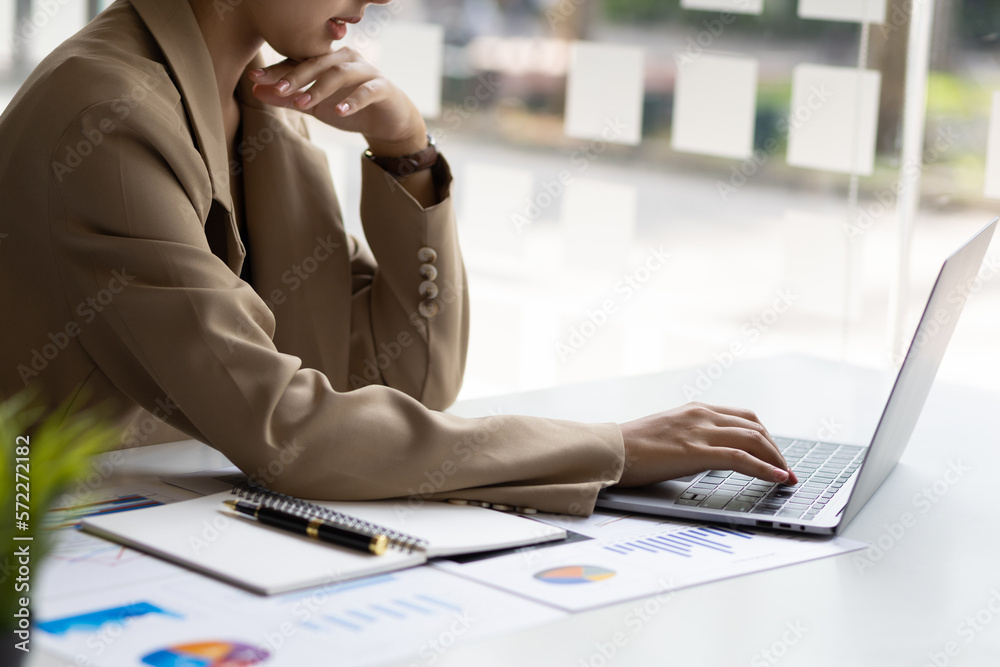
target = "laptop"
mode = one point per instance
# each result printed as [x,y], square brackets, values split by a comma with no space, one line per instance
[835,480]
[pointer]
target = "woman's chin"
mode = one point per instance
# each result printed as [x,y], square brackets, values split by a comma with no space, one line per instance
[301,52]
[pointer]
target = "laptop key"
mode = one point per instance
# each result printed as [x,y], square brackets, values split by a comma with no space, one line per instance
[686,501]
[716,502]
[770,506]
[694,496]
[790,513]
[738,506]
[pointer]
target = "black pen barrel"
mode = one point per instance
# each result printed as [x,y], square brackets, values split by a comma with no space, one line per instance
[318,529]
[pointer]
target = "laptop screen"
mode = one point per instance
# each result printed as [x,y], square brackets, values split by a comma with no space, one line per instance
[954,284]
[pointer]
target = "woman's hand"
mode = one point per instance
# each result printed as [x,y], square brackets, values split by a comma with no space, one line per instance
[698,437]
[349,93]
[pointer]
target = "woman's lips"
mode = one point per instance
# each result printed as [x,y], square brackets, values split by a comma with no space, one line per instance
[338,25]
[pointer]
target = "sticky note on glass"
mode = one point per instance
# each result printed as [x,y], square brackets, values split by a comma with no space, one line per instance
[604,93]
[833,119]
[411,55]
[992,187]
[862,11]
[715,102]
[735,6]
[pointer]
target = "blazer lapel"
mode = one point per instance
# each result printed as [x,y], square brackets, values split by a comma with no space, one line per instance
[176,31]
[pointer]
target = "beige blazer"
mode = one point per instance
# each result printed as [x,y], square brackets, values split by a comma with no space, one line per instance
[119,282]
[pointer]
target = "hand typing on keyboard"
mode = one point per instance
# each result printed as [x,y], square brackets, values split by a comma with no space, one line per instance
[697,437]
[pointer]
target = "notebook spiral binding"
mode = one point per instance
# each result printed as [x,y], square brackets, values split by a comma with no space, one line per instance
[304,508]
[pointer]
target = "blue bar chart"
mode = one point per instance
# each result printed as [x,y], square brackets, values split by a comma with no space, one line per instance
[685,543]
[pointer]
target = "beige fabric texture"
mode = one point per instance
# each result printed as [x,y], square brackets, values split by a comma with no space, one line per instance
[119,284]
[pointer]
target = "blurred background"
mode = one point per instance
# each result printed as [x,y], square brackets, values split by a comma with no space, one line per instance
[654,184]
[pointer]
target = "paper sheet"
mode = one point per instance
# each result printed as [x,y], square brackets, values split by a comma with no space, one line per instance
[418,612]
[80,564]
[630,559]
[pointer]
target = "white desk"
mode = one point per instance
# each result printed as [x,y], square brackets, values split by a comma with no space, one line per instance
[893,608]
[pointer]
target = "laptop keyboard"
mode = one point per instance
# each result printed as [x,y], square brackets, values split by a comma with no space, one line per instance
[822,468]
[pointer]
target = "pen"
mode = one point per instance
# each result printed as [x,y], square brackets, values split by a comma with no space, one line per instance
[314,527]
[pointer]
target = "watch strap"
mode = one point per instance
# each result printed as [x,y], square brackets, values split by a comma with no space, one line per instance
[405,165]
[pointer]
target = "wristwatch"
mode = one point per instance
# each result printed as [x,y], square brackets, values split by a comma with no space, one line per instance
[408,164]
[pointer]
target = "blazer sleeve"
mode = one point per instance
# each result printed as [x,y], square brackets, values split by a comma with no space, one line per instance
[128,234]
[410,319]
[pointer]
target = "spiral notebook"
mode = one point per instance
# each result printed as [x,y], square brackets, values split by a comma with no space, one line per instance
[203,535]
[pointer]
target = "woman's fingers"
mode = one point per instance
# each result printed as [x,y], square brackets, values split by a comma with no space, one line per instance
[329,77]
[368,93]
[754,437]
[753,451]
[698,437]
[269,76]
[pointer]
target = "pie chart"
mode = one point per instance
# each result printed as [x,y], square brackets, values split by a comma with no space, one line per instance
[575,574]
[207,654]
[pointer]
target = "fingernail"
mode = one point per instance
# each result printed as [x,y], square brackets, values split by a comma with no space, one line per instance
[303,100]
[282,86]
[779,475]
[257,73]
[343,107]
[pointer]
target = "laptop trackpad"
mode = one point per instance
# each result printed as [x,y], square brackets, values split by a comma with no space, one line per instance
[667,491]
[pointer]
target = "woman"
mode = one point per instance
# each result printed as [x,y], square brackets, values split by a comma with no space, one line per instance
[174,244]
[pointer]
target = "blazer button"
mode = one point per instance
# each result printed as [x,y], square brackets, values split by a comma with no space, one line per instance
[428,289]
[428,272]
[427,255]
[429,309]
